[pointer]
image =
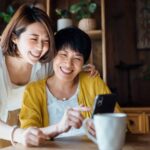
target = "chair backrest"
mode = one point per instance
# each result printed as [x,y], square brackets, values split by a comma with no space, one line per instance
[13,117]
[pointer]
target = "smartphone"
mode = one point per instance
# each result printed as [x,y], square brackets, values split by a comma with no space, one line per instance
[104,103]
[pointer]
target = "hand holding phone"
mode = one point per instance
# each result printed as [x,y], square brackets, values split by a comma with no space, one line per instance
[104,103]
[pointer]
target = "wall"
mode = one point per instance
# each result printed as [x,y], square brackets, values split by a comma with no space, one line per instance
[121,47]
[123,56]
[15,3]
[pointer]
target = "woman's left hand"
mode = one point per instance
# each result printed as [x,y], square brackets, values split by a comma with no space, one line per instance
[90,127]
[32,136]
[91,69]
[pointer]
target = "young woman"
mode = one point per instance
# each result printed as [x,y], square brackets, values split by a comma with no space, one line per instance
[27,47]
[62,101]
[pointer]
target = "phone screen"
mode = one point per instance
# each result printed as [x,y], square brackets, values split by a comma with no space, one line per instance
[104,103]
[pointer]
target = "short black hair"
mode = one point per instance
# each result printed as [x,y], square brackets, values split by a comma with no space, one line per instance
[75,39]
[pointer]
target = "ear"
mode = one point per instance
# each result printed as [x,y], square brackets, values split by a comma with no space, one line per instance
[14,38]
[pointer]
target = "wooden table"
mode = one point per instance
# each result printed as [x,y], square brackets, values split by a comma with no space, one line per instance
[133,142]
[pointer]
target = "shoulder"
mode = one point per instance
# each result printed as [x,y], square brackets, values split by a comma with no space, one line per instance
[95,84]
[36,85]
[34,91]
[85,77]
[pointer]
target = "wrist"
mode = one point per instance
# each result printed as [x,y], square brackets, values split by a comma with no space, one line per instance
[52,130]
[12,135]
[62,128]
[58,128]
[17,136]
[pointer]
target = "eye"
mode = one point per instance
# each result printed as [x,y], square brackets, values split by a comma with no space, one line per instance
[78,58]
[46,41]
[62,53]
[33,39]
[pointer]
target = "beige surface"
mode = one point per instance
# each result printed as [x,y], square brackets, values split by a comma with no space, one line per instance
[133,142]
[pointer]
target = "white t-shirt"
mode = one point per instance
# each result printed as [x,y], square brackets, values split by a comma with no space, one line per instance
[10,94]
[56,110]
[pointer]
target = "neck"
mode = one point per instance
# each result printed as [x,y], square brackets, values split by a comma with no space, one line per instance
[17,62]
[19,71]
[62,89]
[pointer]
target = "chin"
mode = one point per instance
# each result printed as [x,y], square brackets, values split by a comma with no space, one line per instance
[66,78]
[33,62]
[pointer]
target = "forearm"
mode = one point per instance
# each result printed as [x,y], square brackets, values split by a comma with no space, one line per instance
[72,118]
[52,131]
[5,131]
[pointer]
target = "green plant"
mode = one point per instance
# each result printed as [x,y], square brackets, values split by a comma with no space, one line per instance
[6,16]
[63,13]
[83,9]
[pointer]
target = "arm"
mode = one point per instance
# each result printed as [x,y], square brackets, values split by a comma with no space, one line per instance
[32,113]
[32,110]
[72,118]
[28,137]
[5,131]
[91,89]
[34,107]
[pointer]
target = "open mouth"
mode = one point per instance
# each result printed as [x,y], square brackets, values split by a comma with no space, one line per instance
[66,71]
[34,55]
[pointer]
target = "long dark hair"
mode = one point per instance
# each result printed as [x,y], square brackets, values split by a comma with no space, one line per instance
[24,16]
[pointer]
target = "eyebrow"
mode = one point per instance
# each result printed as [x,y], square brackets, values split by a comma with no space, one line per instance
[79,54]
[33,34]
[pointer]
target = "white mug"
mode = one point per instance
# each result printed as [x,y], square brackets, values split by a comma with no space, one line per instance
[110,130]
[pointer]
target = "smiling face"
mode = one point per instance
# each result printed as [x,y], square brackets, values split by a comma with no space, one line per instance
[33,43]
[67,64]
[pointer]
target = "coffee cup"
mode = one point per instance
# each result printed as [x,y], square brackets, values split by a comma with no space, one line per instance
[110,130]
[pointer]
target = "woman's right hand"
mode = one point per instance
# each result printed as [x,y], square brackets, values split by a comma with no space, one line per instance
[72,118]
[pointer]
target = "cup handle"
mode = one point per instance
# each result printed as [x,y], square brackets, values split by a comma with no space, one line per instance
[90,136]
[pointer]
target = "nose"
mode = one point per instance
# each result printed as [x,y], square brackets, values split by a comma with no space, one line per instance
[68,62]
[40,46]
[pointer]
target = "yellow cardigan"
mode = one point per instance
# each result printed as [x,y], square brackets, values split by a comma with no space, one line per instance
[34,110]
